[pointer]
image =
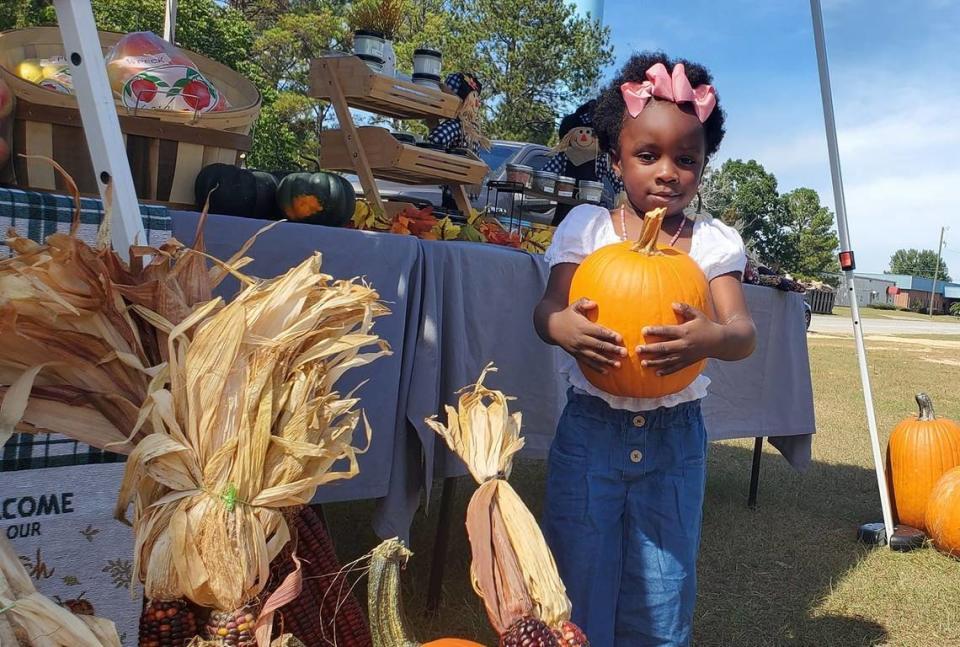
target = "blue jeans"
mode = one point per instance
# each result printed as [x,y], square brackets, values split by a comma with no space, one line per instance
[622,517]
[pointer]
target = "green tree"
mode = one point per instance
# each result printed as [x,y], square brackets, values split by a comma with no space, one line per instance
[282,53]
[918,262]
[744,195]
[26,13]
[536,59]
[814,242]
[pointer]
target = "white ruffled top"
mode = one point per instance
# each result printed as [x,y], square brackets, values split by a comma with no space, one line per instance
[716,247]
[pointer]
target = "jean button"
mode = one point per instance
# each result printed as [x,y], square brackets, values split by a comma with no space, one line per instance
[636,456]
[639,421]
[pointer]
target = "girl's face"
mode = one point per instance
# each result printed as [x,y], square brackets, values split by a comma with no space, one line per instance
[661,157]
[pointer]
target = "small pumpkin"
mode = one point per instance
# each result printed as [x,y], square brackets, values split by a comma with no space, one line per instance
[635,285]
[317,198]
[942,516]
[919,451]
[240,192]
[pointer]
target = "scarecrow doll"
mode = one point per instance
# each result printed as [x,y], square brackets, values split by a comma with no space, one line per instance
[463,131]
[578,155]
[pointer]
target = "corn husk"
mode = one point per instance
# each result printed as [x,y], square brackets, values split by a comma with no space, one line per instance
[227,410]
[512,568]
[71,342]
[247,425]
[26,613]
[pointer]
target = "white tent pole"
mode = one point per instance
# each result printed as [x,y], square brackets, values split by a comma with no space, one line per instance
[170,21]
[847,262]
[101,127]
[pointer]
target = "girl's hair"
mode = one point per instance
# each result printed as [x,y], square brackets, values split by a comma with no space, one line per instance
[609,114]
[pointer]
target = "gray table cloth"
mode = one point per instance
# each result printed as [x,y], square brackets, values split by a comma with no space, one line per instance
[456,307]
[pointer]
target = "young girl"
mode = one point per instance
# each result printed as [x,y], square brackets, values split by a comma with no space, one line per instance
[626,476]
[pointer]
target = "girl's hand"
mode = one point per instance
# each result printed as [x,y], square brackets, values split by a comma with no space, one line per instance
[688,343]
[596,346]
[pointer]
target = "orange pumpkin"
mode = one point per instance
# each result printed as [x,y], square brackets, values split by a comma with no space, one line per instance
[943,513]
[919,451]
[635,285]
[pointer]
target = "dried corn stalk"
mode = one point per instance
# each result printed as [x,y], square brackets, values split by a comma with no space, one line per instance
[68,337]
[512,568]
[245,425]
[227,410]
[28,618]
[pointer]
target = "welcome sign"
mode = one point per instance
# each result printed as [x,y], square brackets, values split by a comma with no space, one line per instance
[60,521]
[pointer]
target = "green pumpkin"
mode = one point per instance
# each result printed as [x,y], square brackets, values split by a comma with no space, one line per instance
[240,192]
[317,198]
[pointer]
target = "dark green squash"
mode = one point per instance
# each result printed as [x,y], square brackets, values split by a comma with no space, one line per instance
[317,198]
[240,192]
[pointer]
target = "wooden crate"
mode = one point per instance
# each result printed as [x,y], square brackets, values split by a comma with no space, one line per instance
[385,95]
[166,149]
[393,160]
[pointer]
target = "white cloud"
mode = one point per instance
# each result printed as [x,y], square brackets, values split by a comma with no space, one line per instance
[898,144]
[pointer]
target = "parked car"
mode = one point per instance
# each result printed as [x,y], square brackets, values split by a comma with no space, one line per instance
[807,314]
[500,154]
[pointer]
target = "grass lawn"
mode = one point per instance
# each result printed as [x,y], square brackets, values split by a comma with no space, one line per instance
[874,313]
[789,572]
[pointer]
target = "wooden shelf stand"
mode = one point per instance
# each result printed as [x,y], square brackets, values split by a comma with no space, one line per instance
[347,82]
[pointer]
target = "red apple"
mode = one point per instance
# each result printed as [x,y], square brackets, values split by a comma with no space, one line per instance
[196,94]
[144,90]
[6,100]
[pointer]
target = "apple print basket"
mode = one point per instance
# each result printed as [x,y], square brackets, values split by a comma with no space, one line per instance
[179,111]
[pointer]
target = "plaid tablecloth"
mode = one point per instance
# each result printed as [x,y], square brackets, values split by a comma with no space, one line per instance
[37,215]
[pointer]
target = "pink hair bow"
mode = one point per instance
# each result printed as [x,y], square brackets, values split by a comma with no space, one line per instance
[675,87]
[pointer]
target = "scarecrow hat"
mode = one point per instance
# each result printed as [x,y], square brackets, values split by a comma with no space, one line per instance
[462,84]
[583,117]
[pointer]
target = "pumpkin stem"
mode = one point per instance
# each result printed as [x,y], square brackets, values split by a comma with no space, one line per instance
[926,407]
[652,221]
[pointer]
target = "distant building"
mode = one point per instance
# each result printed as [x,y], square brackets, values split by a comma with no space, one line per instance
[909,291]
[869,290]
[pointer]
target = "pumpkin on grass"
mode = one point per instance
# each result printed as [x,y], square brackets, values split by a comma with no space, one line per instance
[634,285]
[317,198]
[239,192]
[943,513]
[919,451]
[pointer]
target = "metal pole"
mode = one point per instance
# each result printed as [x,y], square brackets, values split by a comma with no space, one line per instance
[98,114]
[847,259]
[936,271]
[170,21]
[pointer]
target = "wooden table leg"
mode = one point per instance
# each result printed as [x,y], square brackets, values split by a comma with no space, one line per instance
[351,138]
[460,197]
[441,544]
[755,472]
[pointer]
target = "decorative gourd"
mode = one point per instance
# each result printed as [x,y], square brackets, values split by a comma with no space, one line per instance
[317,198]
[919,451]
[240,192]
[635,285]
[943,513]
[388,625]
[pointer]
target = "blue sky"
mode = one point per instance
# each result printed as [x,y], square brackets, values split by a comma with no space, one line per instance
[895,67]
